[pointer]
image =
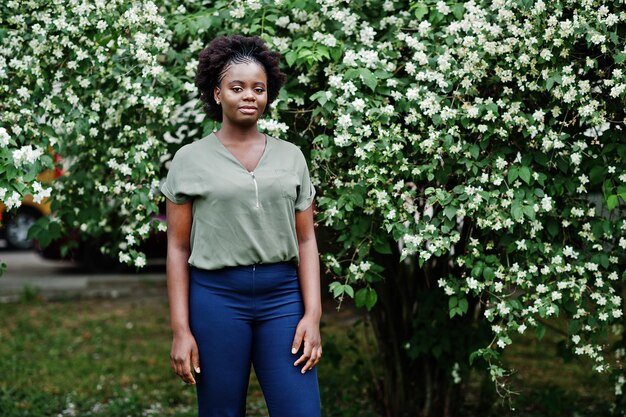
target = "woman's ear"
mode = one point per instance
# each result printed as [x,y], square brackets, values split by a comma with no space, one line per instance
[216,95]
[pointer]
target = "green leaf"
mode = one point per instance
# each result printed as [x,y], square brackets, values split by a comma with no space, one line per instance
[450,212]
[348,290]
[488,273]
[372,297]
[596,175]
[477,270]
[611,201]
[291,57]
[512,174]
[529,212]
[366,297]
[524,174]
[474,150]
[516,211]
[336,288]
[458,10]
[463,306]
[336,54]
[382,245]
[368,78]
[421,10]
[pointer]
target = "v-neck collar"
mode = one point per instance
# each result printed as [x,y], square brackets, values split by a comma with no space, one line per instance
[232,156]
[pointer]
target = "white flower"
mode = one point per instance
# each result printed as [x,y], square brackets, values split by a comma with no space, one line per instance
[273,126]
[124,257]
[4,137]
[344,121]
[26,154]
[237,12]
[140,261]
[23,92]
[472,283]
[443,8]
[410,68]
[358,104]
[546,203]
[342,139]
[282,21]
[40,192]
[14,201]
[412,94]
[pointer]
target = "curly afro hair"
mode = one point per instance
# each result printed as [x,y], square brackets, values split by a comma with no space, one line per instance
[217,57]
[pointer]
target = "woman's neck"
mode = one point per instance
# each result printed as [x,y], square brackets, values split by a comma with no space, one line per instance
[234,133]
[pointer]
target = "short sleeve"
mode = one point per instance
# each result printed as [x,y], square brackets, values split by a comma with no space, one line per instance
[176,186]
[307,191]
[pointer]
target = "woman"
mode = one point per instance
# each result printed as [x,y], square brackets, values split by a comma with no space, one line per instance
[242,261]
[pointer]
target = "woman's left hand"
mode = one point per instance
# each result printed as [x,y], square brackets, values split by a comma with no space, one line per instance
[308,330]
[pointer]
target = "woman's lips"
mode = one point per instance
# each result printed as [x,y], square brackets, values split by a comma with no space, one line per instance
[247,110]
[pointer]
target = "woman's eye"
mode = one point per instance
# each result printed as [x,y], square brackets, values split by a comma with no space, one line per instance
[259,90]
[237,89]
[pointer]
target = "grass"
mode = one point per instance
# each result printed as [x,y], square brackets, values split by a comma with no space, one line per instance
[97,358]
[111,358]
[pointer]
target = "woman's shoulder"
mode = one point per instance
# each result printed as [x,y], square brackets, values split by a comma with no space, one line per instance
[190,150]
[287,148]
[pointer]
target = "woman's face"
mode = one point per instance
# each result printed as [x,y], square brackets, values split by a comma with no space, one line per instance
[242,93]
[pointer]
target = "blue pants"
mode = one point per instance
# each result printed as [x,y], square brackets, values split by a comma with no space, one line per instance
[243,315]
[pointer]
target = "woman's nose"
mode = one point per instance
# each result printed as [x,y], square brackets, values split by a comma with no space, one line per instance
[248,95]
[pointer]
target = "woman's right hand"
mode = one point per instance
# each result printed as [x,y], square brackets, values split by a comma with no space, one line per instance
[184,355]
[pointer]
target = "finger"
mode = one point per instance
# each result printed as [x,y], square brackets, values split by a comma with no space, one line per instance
[319,356]
[309,364]
[175,367]
[297,341]
[306,355]
[187,376]
[195,359]
[184,371]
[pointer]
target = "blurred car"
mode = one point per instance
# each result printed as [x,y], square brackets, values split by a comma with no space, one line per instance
[88,254]
[14,224]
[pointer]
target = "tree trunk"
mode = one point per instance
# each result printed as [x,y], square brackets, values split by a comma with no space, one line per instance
[418,343]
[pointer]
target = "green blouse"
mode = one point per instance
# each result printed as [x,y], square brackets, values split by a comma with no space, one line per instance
[240,217]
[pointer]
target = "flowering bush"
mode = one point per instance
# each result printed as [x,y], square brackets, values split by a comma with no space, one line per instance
[481,141]
[85,78]
[486,135]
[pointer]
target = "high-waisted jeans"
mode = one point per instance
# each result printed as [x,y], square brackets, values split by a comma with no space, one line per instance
[245,315]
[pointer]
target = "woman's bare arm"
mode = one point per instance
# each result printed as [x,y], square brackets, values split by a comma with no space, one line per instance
[309,273]
[184,351]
